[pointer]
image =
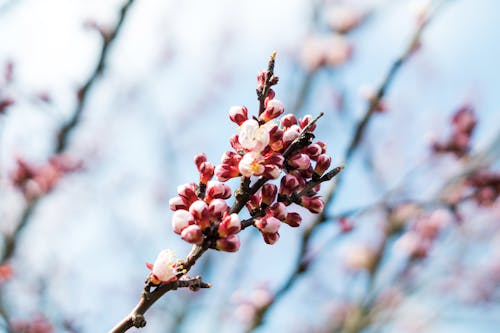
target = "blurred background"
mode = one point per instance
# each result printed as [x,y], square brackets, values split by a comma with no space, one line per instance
[103,105]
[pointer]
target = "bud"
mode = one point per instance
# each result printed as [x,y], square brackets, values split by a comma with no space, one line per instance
[206,172]
[192,234]
[269,192]
[230,225]
[230,243]
[198,159]
[313,204]
[238,114]
[177,203]
[313,150]
[270,238]
[217,208]
[278,210]
[188,192]
[293,219]
[300,161]
[273,110]
[303,122]
[289,183]
[271,171]
[290,134]
[322,164]
[217,190]
[181,219]
[253,204]
[199,210]
[288,120]
[268,224]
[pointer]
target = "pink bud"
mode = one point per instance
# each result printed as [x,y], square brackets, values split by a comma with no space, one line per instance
[300,161]
[269,192]
[188,192]
[289,183]
[238,114]
[305,121]
[181,219]
[270,238]
[313,204]
[192,234]
[290,134]
[293,219]
[253,204]
[322,164]
[217,208]
[268,224]
[278,210]
[225,172]
[230,243]
[288,120]
[273,110]
[198,159]
[199,210]
[230,225]
[206,172]
[313,150]
[177,203]
[217,190]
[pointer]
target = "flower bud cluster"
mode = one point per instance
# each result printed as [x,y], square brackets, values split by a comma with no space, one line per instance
[463,123]
[199,216]
[266,146]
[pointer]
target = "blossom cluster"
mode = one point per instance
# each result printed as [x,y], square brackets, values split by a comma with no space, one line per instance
[279,164]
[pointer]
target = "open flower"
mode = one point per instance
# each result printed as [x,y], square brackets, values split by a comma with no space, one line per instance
[164,269]
[253,136]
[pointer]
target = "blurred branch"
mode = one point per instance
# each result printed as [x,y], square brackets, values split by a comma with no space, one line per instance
[63,134]
[301,264]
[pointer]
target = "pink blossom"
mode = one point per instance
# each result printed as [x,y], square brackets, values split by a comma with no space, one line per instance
[254,137]
[252,164]
[164,268]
